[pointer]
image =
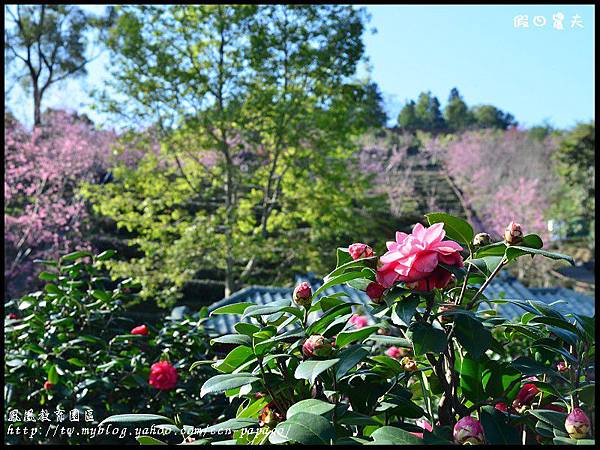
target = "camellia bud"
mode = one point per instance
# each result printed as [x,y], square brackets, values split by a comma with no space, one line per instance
[481,239]
[358,251]
[375,292]
[525,397]
[303,295]
[577,424]
[408,364]
[316,345]
[468,431]
[562,367]
[513,234]
[12,316]
[501,406]
[48,385]
[142,329]
[394,352]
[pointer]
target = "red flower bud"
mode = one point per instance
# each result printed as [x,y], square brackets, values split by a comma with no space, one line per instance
[562,367]
[358,251]
[577,424]
[375,292]
[525,396]
[316,345]
[12,316]
[501,406]
[513,234]
[302,295]
[163,376]
[48,386]
[142,329]
[468,431]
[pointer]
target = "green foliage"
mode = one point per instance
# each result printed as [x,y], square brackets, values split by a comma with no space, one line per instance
[76,335]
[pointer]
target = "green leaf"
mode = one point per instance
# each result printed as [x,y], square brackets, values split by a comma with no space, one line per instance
[456,229]
[390,340]
[528,366]
[404,310]
[238,339]
[47,276]
[471,377]
[311,369]
[53,376]
[234,308]
[222,383]
[149,440]
[327,318]
[135,419]
[532,241]
[246,328]
[107,254]
[232,424]
[76,255]
[339,279]
[394,436]
[101,295]
[262,310]
[554,418]
[312,406]
[426,338]
[497,430]
[514,251]
[472,335]
[234,359]
[305,428]
[346,337]
[349,358]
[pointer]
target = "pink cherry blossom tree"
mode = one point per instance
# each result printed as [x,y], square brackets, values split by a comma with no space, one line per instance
[43,214]
[503,175]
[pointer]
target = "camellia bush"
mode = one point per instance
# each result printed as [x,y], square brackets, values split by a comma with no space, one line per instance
[72,347]
[438,368]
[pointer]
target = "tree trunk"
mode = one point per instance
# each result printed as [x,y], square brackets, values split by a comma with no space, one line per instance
[37,105]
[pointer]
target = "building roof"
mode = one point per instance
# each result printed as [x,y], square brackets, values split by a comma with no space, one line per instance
[502,287]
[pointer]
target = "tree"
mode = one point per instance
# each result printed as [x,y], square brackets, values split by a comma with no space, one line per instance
[49,44]
[407,119]
[457,114]
[429,114]
[488,116]
[252,108]
[575,166]
[43,215]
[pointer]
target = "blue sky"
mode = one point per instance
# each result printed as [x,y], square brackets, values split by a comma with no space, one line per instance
[539,74]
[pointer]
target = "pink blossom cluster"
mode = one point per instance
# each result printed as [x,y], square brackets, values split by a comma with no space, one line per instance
[43,214]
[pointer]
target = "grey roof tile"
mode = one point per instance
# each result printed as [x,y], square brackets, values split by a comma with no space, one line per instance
[502,287]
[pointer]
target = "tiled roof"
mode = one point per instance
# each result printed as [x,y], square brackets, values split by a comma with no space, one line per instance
[502,287]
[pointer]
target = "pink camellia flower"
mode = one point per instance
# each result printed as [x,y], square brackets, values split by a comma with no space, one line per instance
[48,386]
[358,321]
[358,251]
[142,329]
[375,291]
[577,424]
[302,295]
[468,431]
[394,352]
[163,376]
[513,234]
[12,316]
[425,425]
[316,345]
[562,367]
[414,258]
